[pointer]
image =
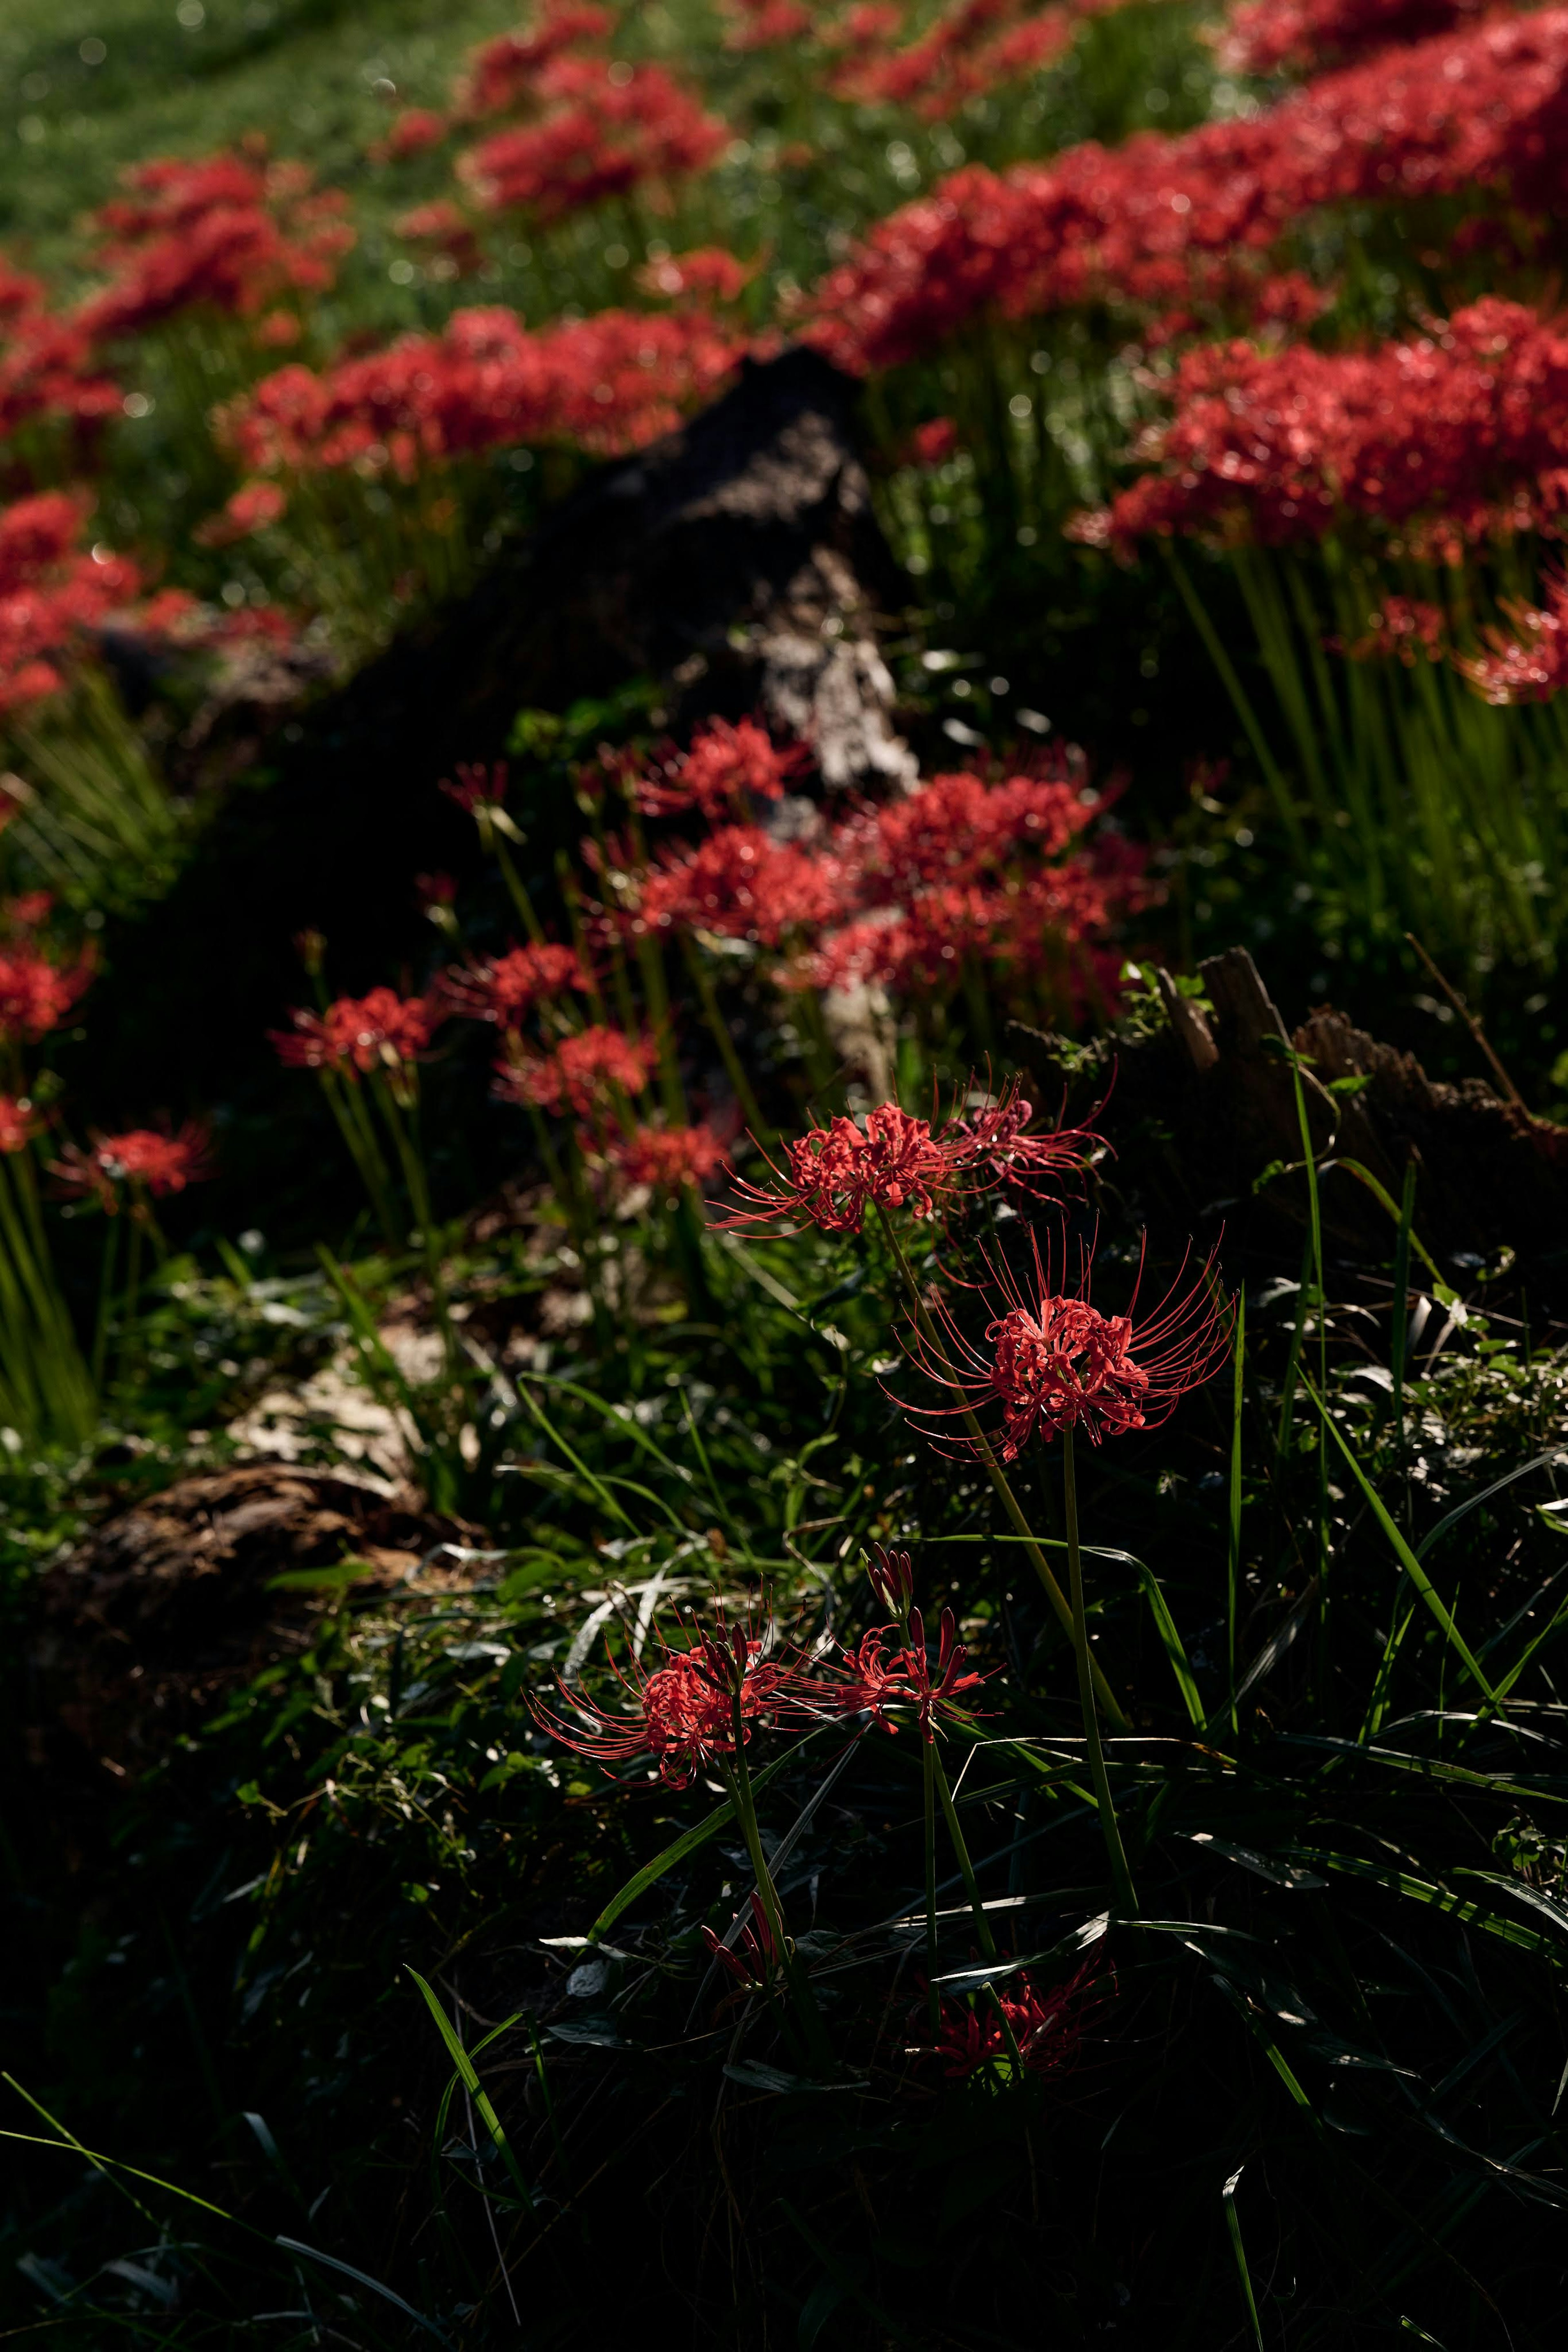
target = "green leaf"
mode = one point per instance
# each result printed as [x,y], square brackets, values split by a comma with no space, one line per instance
[1171,1642]
[295,2246]
[687,1842]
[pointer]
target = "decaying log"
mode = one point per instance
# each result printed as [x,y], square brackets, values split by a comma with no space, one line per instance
[738,563]
[1204,1116]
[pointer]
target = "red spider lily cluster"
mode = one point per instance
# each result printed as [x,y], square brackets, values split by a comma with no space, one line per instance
[667,1157]
[726,769]
[1264,36]
[685,1715]
[766,24]
[359,1034]
[972,47]
[20,1125]
[36,994]
[833,1174]
[608,383]
[1047,2029]
[604,129]
[1531,664]
[1162,222]
[503,73]
[585,1073]
[506,989]
[1051,1361]
[1442,439]
[226,233]
[47,366]
[682,1714]
[902,894]
[1408,629]
[708,273]
[52,590]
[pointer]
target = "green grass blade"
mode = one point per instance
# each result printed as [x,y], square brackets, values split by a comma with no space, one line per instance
[364,2278]
[1537,1462]
[1233,2223]
[688,1842]
[1407,1557]
[1233,1577]
[1171,1642]
[1438,1898]
[475,2089]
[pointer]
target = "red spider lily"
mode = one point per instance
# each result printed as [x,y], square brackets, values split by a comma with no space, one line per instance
[1047,2028]
[504,989]
[1406,630]
[52,590]
[757,1960]
[1264,36]
[994,1146]
[255,506]
[766,24]
[1051,1361]
[1532,665]
[164,1163]
[502,72]
[19,1124]
[415,130]
[743,885]
[975,46]
[607,383]
[939,1695]
[833,1174]
[724,767]
[934,443]
[356,1035]
[870,1680]
[36,995]
[682,1714]
[584,1071]
[45,363]
[229,233]
[26,911]
[477,786]
[449,231]
[707,274]
[665,1157]
[1163,222]
[1444,439]
[892,1577]
[606,130]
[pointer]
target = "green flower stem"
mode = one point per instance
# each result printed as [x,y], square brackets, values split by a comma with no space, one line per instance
[971,1887]
[998,1475]
[1126,1900]
[343,1101]
[517,890]
[811,2016]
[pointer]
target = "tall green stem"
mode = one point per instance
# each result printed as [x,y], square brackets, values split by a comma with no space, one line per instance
[810,2014]
[986,1941]
[1126,1900]
[995,1472]
[933,1964]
